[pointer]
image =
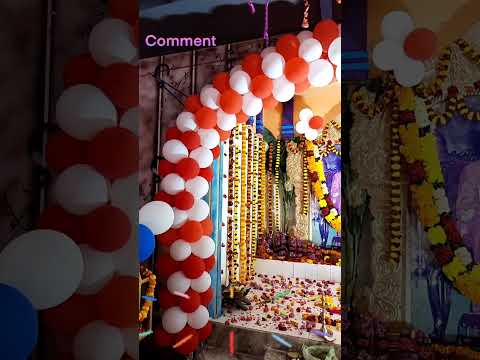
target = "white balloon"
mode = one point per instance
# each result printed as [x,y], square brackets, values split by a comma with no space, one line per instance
[178,282]
[82,111]
[283,90]
[172,184]
[305,114]
[409,72]
[203,248]
[268,50]
[338,73]
[98,270]
[226,121]
[320,73]
[157,216]
[311,134]
[252,105]
[202,283]
[186,121]
[110,43]
[180,218]
[174,151]
[130,120]
[310,50]
[396,25]
[335,51]
[130,338]
[209,138]
[42,260]
[80,189]
[198,186]
[273,65]
[235,69]
[174,320]
[301,127]
[304,35]
[202,156]
[240,82]
[124,195]
[210,97]
[199,211]
[387,55]
[98,341]
[199,318]
[180,250]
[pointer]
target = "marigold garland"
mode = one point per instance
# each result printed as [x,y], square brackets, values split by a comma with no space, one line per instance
[255,201]
[243,204]
[306,183]
[237,205]
[270,225]
[278,149]
[231,202]
[262,189]
[149,276]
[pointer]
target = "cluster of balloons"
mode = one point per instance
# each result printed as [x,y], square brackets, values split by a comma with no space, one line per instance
[94,159]
[260,81]
[404,48]
[309,124]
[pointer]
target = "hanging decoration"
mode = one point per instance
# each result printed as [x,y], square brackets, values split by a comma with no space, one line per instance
[309,124]
[305,23]
[147,276]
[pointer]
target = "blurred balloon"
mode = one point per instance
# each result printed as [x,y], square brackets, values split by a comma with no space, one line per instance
[98,341]
[178,282]
[174,320]
[421,44]
[80,69]
[146,243]
[125,10]
[120,83]
[98,270]
[202,283]
[396,25]
[387,55]
[130,120]
[409,72]
[199,318]
[56,218]
[204,248]
[157,216]
[180,250]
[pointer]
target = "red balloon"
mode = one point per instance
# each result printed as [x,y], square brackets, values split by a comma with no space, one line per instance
[287,46]
[117,302]
[193,104]
[56,218]
[81,69]
[302,87]
[241,117]
[63,151]
[421,44]
[193,267]
[70,316]
[207,226]
[205,332]
[168,237]
[252,64]
[224,135]
[191,345]
[124,10]
[216,152]
[296,70]
[206,297]
[165,167]
[162,338]
[191,304]
[184,200]
[173,133]
[166,266]
[120,83]
[231,101]
[206,173]
[261,86]
[221,82]
[206,118]
[270,102]
[107,228]
[191,231]
[209,263]
[326,31]
[190,139]
[166,299]
[316,122]
[114,153]
[163,196]
[187,168]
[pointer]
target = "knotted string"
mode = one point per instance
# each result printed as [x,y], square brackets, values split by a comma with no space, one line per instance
[305,23]
[252,7]
[265,31]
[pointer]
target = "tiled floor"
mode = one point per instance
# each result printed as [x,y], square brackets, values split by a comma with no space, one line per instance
[283,316]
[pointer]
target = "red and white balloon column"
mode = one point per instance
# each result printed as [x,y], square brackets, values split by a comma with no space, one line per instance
[262,80]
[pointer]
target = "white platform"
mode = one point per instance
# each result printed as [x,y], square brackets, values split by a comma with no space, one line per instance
[299,270]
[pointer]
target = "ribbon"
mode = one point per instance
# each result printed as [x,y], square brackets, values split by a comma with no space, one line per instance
[305,23]
[259,123]
[251,6]
[265,31]
[287,120]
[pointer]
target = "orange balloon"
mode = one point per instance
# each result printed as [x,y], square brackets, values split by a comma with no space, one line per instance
[221,82]
[300,88]
[270,102]
[421,44]
[193,104]
[252,64]
[316,122]
[241,117]
[326,31]
[261,86]
[120,83]
[117,302]
[81,69]
[231,102]
[206,118]
[296,70]
[288,46]
[126,10]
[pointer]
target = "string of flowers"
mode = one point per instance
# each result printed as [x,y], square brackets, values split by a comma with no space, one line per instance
[231,202]
[150,292]
[270,225]
[261,189]
[243,204]
[249,201]
[319,186]
[277,185]
[237,204]
[327,146]
[255,201]
[306,183]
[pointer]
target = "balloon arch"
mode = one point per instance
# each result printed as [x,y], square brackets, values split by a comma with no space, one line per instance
[178,216]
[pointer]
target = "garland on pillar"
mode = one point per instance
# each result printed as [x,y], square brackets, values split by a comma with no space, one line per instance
[244,204]
[262,188]
[231,203]
[278,149]
[255,201]
[270,202]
